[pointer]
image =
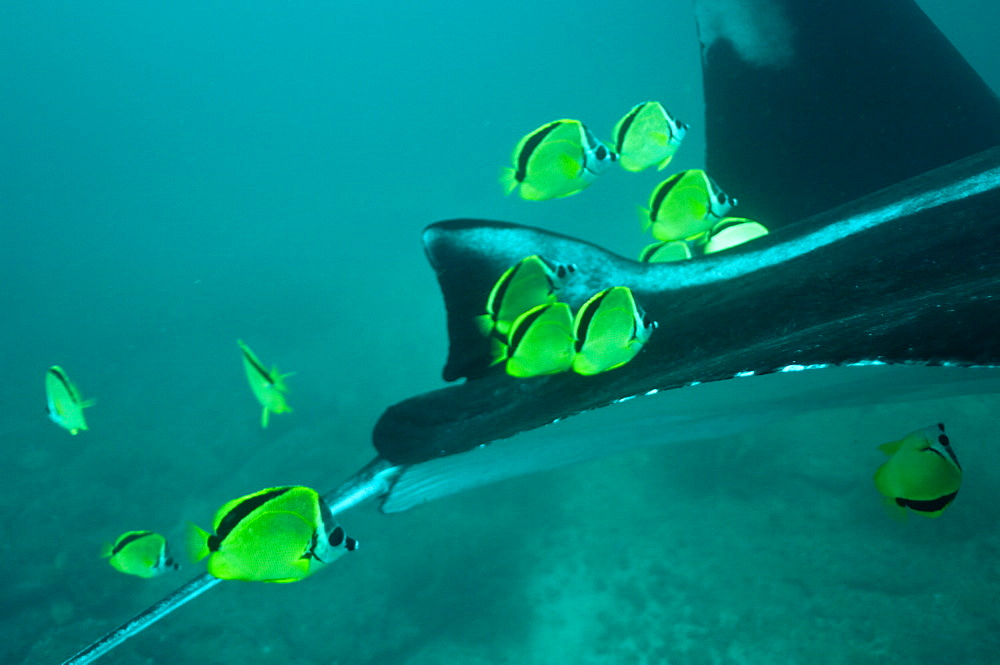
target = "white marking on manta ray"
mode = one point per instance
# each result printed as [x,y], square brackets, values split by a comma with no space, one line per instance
[733,267]
[758,30]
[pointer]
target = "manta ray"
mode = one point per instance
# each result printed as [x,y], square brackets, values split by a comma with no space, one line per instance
[870,148]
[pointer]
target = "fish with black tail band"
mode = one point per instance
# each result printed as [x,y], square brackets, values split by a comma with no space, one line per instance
[541,342]
[140,553]
[648,135]
[728,233]
[610,329]
[685,205]
[65,406]
[268,386]
[558,159]
[922,472]
[530,282]
[279,534]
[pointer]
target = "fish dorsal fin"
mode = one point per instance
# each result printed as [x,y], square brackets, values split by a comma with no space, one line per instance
[892,447]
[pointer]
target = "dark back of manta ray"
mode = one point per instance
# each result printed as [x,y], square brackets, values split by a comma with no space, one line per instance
[873,94]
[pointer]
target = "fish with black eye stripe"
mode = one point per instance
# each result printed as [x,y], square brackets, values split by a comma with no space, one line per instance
[559,159]
[279,534]
[140,553]
[922,472]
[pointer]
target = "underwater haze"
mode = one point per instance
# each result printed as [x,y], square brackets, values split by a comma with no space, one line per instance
[179,175]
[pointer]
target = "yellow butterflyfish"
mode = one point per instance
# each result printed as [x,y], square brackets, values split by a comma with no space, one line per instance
[922,472]
[268,385]
[65,406]
[558,159]
[648,135]
[140,553]
[279,534]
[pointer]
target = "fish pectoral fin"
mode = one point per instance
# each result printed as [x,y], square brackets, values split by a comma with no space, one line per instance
[485,324]
[568,167]
[659,138]
[106,550]
[265,416]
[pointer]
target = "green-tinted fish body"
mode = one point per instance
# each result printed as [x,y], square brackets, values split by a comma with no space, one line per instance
[648,135]
[728,233]
[268,386]
[541,342]
[279,534]
[610,329]
[731,232]
[530,282]
[922,472]
[65,406]
[686,205]
[140,553]
[559,159]
[668,250]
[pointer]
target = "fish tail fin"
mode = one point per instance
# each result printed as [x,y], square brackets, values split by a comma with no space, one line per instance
[644,219]
[508,180]
[498,351]
[485,323]
[196,542]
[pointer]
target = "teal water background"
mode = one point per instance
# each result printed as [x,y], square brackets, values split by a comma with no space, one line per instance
[177,175]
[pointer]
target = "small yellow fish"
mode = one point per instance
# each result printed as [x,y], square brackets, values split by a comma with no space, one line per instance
[268,386]
[64,403]
[685,206]
[647,135]
[610,329]
[731,232]
[140,553]
[541,342]
[728,233]
[922,472]
[279,534]
[558,159]
[530,282]
[668,251]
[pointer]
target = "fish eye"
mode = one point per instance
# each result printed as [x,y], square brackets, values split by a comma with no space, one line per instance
[602,152]
[721,197]
[336,536]
[943,440]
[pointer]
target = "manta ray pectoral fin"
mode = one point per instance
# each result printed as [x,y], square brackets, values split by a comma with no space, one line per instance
[900,276]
